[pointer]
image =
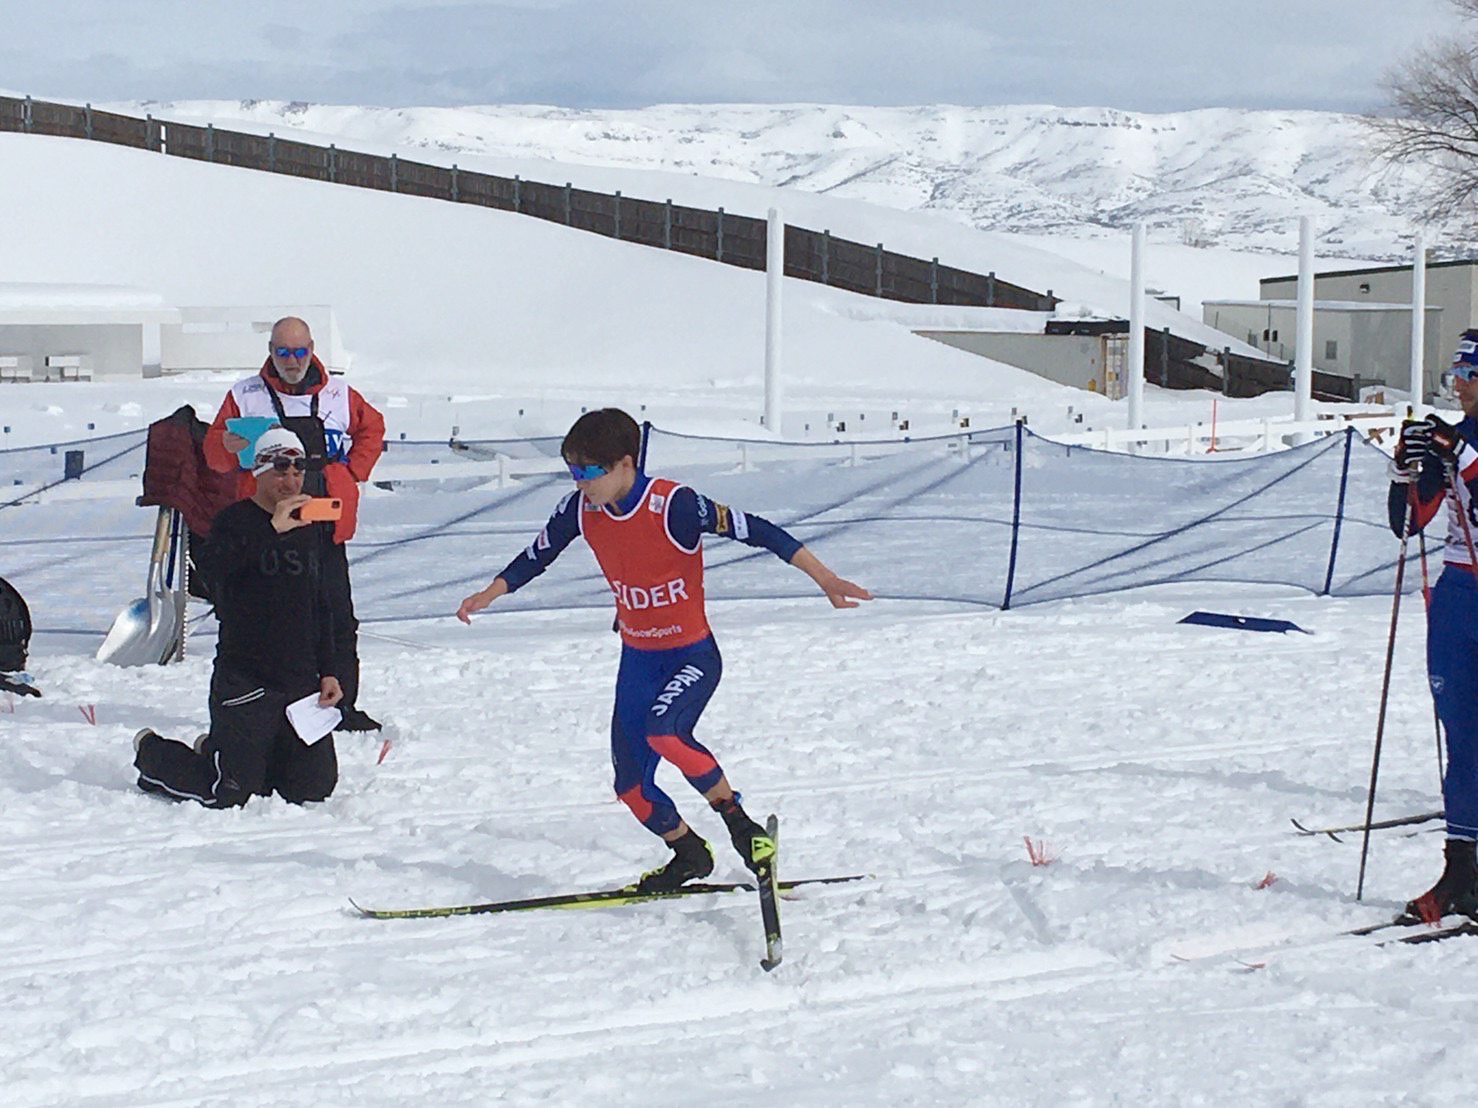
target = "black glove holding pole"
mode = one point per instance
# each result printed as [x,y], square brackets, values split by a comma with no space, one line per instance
[1412,446]
[1426,438]
[1445,440]
[1430,440]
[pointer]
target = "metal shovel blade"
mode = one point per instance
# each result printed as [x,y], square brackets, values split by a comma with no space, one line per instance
[146,632]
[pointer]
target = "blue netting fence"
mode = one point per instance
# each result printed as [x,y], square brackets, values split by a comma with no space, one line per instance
[995,518]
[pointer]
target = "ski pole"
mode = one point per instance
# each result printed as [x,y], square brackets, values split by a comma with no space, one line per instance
[1385,688]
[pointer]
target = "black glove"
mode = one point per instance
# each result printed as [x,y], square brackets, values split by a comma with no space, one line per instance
[1413,447]
[1445,440]
[1426,438]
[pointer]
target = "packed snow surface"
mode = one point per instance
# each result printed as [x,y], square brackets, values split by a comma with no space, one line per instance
[162,954]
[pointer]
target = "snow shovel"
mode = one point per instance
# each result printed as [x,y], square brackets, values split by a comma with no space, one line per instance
[147,631]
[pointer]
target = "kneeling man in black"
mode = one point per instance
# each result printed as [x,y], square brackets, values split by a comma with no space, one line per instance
[275,647]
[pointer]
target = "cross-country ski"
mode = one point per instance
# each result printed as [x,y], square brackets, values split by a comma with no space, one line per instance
[767,876]
[1378,825]
[1384,933]
[602,898]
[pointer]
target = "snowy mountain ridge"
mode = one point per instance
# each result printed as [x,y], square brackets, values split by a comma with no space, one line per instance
[1225,177]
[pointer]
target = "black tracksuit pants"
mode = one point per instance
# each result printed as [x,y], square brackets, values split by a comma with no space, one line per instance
[252,750]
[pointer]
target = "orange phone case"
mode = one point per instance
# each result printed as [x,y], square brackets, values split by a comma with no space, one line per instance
[321,509]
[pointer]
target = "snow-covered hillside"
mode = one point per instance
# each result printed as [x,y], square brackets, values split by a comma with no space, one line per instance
[1233,178]
[482,316]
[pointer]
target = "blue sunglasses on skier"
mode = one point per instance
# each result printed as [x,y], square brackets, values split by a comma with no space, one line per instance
[588,472]
[1465,361]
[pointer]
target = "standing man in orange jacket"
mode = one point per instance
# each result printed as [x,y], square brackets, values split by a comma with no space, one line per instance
[344,436]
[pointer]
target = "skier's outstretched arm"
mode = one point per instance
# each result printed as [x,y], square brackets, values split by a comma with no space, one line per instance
[841,592]
[481,599]
[558,533]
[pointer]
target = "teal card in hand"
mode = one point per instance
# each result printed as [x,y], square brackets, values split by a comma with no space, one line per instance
[250,428]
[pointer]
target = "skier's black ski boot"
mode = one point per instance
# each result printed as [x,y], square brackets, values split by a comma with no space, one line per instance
[691,858]
[357,719]
[1456,891]
[752,841]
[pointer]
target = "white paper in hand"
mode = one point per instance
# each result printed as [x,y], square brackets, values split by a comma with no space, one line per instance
[310,721]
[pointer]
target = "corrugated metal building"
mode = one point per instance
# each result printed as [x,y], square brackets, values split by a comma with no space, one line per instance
[1451,286]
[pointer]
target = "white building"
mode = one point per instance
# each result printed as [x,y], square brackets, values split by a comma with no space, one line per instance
[235,338]
[1451,286]
[76,332]
[1364,340]
[1091,362]
[104,332]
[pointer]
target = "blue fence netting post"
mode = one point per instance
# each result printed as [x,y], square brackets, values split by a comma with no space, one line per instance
[1339,511]
[1015,520]
[646,433]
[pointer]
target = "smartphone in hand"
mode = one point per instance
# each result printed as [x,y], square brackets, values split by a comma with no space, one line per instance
[321,509]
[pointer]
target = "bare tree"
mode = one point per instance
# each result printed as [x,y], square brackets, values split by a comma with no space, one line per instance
[1434,118]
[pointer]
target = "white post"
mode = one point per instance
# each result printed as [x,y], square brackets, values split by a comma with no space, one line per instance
[1418,326]
[1303,348]
[774,274]
[1134,368]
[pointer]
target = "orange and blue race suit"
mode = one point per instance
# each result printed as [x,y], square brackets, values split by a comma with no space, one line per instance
[649,547]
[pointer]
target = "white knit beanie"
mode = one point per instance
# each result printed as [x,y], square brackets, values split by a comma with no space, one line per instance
[276,442]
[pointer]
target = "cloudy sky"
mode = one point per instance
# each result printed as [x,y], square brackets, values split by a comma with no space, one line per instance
[1146,55]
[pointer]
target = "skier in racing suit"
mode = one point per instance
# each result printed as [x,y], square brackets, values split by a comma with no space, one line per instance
[646,535]
[1437,463]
